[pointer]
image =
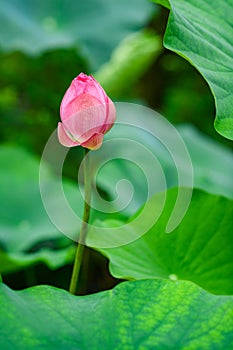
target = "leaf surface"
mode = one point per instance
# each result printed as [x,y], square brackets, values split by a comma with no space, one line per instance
[200,249]
[202,34]
[134,315]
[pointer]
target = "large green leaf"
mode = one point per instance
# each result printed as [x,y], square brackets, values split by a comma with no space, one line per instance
[95,27]
[202,33]
[200,249]
[135,315]
[212,164]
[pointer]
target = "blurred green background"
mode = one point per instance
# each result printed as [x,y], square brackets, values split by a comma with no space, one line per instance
[43,46]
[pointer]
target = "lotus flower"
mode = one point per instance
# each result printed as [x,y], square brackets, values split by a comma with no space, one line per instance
[87,113]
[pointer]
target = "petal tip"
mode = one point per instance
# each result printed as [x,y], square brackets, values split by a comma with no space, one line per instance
[63,138]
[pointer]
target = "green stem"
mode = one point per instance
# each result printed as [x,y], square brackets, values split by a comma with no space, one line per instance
[83,232]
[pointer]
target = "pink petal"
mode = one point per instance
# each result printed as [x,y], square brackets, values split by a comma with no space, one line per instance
[87,122]
[110,116]
[70,95]
[88,84]
[64,138]
[80,103]
[94,142]
[82,84]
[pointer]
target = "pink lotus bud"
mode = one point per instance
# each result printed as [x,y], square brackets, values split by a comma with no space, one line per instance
[87,113]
